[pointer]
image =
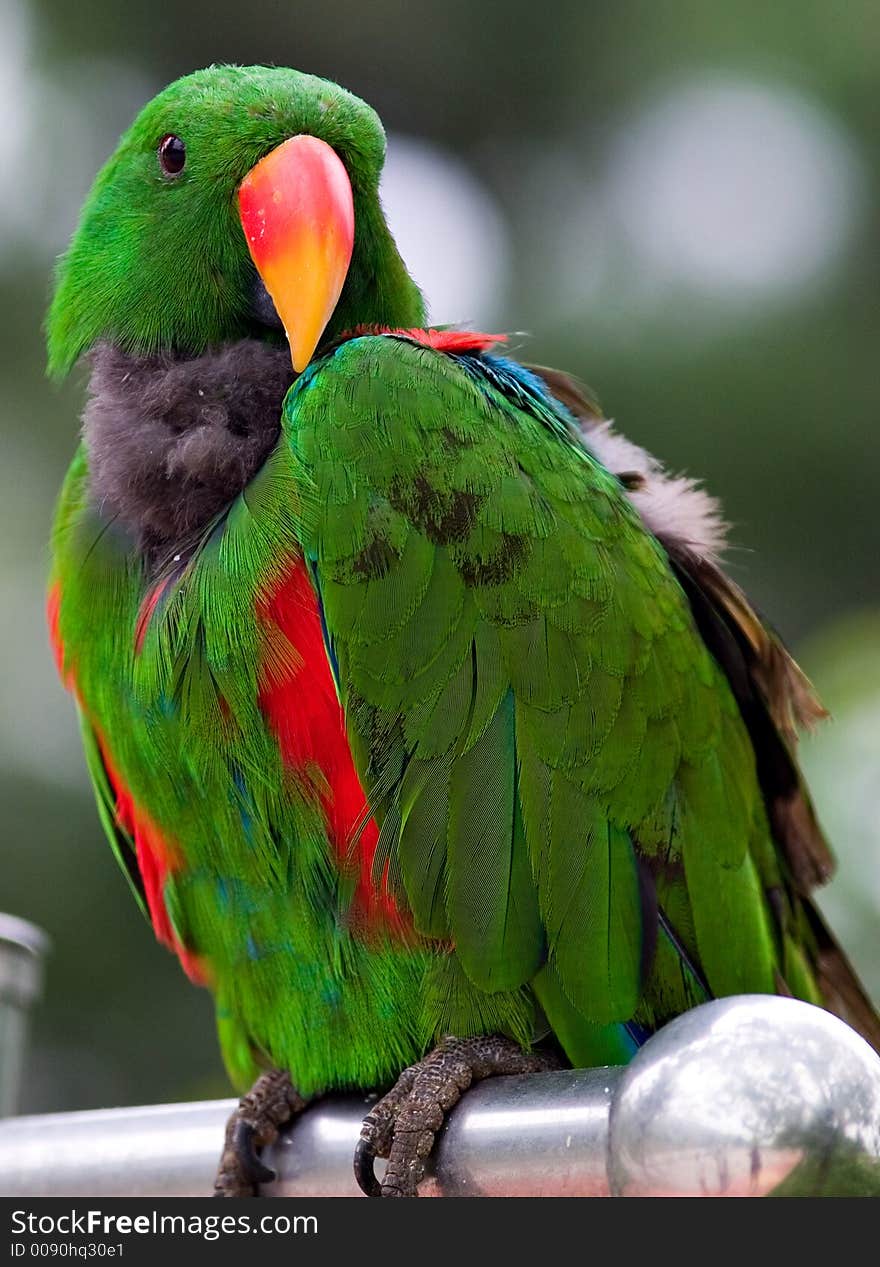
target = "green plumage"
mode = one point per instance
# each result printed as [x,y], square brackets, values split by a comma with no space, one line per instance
[532,730]
[571,816]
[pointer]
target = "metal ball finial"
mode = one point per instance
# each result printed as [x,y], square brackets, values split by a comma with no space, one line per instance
[748,1096]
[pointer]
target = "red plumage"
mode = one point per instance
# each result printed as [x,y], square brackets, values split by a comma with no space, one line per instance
[440,340]
[303,712]
[156,855]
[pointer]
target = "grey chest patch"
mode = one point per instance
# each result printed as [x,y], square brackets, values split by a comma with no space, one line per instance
[173,441]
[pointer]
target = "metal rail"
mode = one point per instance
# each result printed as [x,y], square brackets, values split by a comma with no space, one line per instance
[23,948]
[559,1121]
[740,1097]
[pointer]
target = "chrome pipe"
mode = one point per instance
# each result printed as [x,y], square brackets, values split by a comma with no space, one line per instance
[558,1121]
[23,948]
[743,1096]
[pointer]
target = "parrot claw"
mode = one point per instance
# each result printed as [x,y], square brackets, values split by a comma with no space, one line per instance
[269,1105]
[364,1157]
[252,1168]
[403,1125]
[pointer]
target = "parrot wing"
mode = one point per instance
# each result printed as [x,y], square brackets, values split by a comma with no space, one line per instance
[774,697]
[559,769]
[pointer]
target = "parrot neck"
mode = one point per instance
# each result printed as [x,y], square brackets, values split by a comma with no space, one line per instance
[172,440]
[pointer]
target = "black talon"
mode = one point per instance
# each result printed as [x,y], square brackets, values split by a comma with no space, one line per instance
[252,1168]
[364,1173]
[270,1104]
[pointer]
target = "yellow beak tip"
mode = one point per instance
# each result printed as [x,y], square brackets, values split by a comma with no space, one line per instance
[299,365]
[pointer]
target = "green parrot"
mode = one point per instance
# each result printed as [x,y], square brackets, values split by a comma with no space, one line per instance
[420,715]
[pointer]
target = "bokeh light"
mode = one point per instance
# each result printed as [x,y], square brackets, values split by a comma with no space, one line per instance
[735,188]
[450,232]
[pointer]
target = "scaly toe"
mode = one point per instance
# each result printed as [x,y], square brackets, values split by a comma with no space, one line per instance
[403,1125]
[269,1105]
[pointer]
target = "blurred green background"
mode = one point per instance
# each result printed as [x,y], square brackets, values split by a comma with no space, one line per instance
[677,201]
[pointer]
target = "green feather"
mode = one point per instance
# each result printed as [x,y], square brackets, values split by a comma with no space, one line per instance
[424,794]
[586,1043]
[493,911]
[592,908]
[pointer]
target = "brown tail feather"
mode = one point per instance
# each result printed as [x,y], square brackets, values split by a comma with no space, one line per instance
[774,697]
[576,396]
[841,989]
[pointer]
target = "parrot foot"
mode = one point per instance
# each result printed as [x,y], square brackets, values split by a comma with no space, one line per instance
[271,1102]
[402,1125]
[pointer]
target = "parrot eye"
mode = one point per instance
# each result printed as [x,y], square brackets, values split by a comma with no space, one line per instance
[172,155]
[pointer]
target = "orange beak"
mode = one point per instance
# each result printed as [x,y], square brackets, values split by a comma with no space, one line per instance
[297,213]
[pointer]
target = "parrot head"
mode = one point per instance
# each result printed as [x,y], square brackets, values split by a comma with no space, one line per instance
[242,200]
